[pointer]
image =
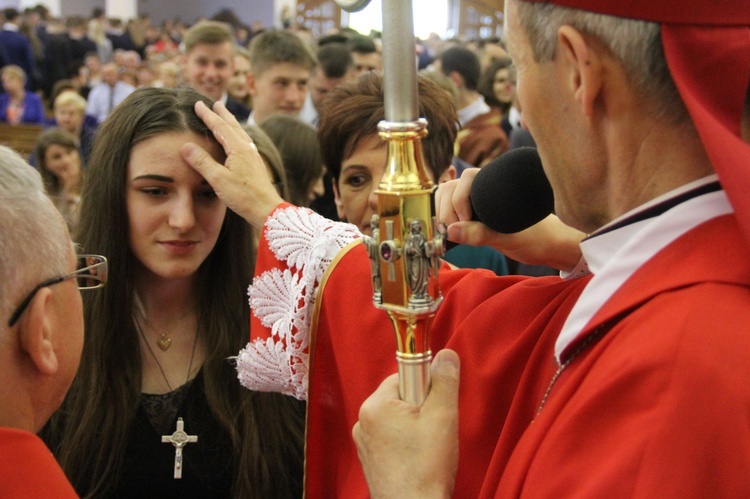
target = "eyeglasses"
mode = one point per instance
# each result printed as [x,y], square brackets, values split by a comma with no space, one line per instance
[90,273]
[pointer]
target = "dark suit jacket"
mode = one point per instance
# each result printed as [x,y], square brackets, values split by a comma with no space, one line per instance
[79,47]
[121,41]
[17,50]
[56,57]
[238,109]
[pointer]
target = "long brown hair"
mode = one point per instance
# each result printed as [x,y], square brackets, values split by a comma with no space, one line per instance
[297,143]
[52,136]
[89,435]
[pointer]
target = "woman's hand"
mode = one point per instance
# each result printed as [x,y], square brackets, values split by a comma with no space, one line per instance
[242,182]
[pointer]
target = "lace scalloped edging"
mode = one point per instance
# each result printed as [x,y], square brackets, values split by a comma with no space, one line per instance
[283,300]
[303,239]
[267,367]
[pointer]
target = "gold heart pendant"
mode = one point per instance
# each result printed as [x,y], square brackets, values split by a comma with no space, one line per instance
[164,343]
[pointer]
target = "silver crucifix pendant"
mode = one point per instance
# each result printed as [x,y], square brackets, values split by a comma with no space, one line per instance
[179,439]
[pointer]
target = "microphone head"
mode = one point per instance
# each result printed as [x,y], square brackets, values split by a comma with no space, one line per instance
[511,193]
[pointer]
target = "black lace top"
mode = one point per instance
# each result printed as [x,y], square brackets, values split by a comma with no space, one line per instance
[162,409]
[208,464]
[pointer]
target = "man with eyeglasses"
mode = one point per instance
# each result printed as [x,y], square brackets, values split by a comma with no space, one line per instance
[41,327]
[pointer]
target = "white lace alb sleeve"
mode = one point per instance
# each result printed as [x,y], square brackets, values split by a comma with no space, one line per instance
[282,298]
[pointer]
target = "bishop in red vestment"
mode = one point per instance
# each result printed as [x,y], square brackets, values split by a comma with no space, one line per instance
[630,381]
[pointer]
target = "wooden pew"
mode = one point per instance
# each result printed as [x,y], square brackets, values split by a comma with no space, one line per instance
[20,138]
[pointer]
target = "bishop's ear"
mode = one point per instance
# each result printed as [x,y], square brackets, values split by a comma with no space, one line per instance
[582,66]
[36,333]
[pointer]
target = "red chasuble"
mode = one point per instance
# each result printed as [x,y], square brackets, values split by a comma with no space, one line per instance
[28,470]
[503,329]
[659,406]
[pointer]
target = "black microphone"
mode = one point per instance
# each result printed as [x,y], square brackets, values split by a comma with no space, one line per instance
[511,193]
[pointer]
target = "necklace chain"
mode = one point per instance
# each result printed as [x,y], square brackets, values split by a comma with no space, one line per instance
[164,341]
[161,369]
[591,339]
[581,347]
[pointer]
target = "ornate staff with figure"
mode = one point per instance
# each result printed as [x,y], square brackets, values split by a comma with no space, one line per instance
[405,247]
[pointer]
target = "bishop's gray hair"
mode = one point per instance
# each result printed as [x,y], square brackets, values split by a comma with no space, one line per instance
[34,241]
[635,43]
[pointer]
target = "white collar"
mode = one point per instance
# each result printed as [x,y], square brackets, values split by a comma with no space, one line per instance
[514,117]
[476,108]
[613,257]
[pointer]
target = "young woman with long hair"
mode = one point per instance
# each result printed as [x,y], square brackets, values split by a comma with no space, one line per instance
[156,368]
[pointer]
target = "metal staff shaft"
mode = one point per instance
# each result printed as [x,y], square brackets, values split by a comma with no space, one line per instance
[405,248]
[399,62]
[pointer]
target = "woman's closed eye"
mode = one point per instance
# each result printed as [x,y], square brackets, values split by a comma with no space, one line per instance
[154,191]
[207,194]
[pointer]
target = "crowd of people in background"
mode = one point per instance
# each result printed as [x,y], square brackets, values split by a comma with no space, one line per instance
[186,161]
[71,73]
[108,97]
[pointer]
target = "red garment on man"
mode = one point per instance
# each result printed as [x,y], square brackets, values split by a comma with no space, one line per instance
[682,312]
[353,350]
[28,470]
